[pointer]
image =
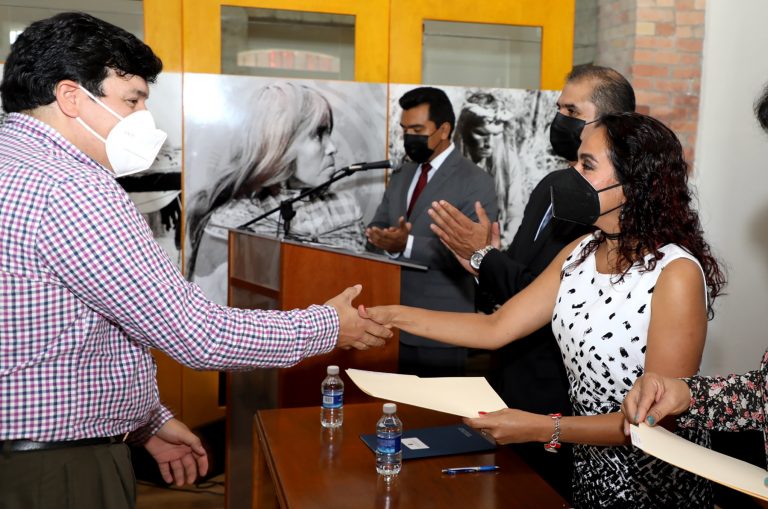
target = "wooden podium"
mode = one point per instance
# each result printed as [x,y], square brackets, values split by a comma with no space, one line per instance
[268,273]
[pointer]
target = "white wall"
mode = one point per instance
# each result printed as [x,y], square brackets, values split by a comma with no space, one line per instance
[731,173]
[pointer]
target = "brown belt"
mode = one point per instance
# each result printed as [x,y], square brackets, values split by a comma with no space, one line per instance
[30,445]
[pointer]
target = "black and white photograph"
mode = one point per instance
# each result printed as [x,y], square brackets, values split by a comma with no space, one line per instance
[157,191]
[503,131]
[254,143]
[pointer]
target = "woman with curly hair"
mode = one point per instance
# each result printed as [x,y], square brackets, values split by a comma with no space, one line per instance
[634,295]
[737,402]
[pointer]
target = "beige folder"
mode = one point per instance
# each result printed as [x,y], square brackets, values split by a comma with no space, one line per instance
[709,464]
[464,396]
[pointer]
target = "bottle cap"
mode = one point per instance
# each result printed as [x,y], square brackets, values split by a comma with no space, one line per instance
[390,408]
[333,370]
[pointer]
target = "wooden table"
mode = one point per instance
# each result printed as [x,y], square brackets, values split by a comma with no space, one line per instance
[300,465]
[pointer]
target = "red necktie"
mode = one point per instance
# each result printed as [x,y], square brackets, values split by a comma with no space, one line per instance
[420,185]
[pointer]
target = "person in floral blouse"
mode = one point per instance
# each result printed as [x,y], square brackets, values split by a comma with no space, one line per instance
[731,403]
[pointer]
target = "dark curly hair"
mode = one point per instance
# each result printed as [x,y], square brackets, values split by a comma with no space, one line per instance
[650,166]
[74,46]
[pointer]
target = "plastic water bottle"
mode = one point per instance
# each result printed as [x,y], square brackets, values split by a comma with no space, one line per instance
[332,410]
[389,432]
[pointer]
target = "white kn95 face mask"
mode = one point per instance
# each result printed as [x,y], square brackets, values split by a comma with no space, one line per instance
[133,143]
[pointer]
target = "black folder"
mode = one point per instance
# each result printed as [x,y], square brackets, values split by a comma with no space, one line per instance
[439,441]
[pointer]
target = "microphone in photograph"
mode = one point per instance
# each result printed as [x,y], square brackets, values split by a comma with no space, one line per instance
[378,165]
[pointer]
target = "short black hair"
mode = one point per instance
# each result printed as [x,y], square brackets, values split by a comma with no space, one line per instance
[761,109]
[612,92]
[440,108]
[74,46]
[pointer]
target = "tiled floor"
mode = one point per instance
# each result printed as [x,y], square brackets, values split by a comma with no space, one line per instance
[207,495]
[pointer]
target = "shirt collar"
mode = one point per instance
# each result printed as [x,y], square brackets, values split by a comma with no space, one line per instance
[26,125]
[440,158]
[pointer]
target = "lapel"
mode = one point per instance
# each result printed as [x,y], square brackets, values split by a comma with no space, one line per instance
[434,190]
[557,231]
[539,208]
[406,171]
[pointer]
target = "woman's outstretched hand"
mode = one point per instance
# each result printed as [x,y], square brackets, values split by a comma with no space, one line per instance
[383,315]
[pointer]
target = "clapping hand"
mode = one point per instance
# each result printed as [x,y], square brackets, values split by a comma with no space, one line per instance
[462,235]
[393,239]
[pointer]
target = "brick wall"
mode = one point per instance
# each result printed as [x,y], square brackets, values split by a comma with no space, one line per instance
[616,27]
[657,45]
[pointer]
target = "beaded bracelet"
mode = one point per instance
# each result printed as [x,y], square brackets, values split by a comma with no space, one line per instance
[554,443]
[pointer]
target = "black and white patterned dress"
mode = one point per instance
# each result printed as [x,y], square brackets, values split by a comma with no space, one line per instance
[601,325]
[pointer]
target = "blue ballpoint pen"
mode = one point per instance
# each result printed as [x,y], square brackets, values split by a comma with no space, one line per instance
[467,470]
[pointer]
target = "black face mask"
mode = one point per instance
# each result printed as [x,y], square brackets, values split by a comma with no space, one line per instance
[417,147]
[565,136]
[574,199]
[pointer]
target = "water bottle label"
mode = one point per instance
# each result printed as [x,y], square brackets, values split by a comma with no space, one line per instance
[388,445]
[333,400]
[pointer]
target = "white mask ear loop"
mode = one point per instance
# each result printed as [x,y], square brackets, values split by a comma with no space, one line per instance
[88,128]
[101,103]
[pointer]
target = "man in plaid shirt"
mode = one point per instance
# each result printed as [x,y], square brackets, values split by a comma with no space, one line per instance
[85,292]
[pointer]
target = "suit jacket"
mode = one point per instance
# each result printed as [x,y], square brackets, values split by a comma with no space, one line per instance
[529,372]
[446,286]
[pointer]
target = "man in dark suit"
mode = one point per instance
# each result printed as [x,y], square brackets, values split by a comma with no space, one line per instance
[529,373]
[401,225]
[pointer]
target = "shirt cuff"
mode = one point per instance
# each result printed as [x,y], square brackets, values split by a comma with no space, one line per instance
[408,247]
[696,408]
[157,420]
[328,327]
[406,252]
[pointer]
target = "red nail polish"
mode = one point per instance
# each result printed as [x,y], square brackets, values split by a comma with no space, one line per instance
[482,413]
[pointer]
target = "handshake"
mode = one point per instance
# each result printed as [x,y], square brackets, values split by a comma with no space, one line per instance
[357,327]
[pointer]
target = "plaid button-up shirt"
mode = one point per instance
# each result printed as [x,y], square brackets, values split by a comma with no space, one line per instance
[85,292]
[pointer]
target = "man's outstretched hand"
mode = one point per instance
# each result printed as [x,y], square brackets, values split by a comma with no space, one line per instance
[355,331]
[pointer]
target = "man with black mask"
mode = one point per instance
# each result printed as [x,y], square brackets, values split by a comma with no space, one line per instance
[401,225]
[529,373]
